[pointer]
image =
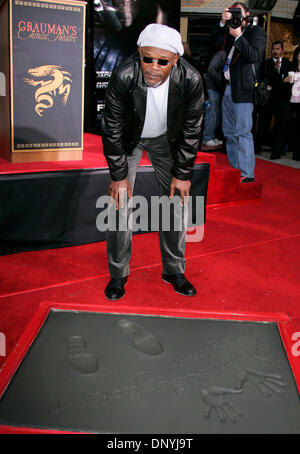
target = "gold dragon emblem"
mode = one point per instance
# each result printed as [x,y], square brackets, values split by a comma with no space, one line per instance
[51,80]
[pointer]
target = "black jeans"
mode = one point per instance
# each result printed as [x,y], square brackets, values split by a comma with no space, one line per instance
[279,135]
[294,141]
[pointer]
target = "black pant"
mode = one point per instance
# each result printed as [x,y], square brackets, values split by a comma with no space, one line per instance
[279,135]
[294,141]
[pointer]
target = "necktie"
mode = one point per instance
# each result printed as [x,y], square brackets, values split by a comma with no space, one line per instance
[277,65]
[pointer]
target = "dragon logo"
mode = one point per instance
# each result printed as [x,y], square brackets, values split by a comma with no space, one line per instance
[51,80]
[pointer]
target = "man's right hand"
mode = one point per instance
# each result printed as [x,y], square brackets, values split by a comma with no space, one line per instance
[226,15]
[117,190]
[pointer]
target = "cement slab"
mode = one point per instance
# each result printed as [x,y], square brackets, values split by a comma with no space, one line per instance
[125,373]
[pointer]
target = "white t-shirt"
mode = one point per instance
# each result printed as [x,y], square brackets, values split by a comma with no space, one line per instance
[156,111]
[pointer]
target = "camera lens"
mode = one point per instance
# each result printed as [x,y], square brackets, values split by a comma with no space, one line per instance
[236,17]
[235,22]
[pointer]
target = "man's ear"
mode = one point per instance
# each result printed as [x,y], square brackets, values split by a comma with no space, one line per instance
[139,50]
[175,59]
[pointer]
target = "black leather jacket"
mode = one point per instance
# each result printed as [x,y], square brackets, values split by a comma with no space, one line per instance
[124,115]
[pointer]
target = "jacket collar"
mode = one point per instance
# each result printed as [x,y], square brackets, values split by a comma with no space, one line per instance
[139,94]
[175,94]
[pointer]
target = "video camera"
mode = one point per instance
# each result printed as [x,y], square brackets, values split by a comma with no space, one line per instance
[237,18]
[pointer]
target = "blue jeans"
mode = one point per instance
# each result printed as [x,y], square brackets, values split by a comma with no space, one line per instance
[237,126]
[212,116]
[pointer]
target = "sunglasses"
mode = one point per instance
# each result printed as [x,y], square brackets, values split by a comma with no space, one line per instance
[160,61]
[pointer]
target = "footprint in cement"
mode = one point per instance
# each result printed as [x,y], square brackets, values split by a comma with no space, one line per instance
[81,359]
[142,340]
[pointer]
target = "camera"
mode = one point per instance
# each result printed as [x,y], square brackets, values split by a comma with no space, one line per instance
[252,20]
[236,19]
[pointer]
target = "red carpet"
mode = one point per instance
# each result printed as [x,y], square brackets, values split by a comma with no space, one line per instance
[248,261]
[245,268]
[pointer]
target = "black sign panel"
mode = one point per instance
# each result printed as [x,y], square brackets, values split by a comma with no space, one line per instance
[117,25]
[47,39]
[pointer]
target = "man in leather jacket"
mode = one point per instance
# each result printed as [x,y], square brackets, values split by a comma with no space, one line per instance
[154,101]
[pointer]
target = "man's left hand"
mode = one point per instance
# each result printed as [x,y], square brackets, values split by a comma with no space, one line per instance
[183,187]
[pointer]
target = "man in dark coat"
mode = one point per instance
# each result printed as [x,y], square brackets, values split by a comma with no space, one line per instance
[244,45]
[274,71]
[154,101]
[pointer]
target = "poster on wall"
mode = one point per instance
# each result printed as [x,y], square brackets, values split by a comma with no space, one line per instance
[117,25]
[47,77]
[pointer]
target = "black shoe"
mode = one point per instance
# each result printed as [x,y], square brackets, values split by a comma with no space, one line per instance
[246,180]
[180,283]
[275,155]
[257,149]
[115,288]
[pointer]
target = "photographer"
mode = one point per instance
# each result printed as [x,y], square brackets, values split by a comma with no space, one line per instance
[244,44]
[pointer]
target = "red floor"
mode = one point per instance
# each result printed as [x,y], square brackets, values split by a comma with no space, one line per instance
[247,263]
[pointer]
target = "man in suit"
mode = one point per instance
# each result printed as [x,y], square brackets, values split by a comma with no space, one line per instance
[244,45]
[274,71]
[154,101]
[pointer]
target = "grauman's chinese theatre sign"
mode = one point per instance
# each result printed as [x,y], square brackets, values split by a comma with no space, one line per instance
[47,75]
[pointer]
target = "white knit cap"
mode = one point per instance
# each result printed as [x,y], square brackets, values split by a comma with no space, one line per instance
[161,36]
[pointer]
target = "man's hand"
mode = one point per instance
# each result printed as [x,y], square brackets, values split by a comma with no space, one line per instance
[117,190]
[289,79]
[183,187]
[226,15]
